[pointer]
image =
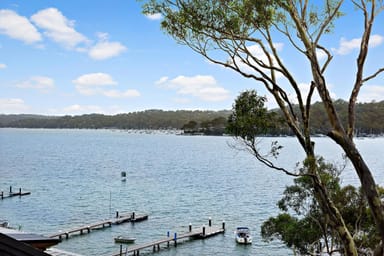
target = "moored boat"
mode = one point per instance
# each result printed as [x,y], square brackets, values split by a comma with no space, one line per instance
[243,235]
[124,240]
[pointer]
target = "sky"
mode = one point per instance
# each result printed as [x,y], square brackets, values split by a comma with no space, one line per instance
[79,57]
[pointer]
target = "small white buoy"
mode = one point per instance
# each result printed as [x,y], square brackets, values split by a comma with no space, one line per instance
[123,176]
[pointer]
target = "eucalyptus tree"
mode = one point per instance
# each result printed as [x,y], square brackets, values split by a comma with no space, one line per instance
[244,36]
[302,227]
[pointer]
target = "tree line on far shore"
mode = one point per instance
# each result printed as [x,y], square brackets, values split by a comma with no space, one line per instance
[370,117]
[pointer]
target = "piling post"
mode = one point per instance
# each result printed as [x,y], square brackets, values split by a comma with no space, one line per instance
[121,250]
[203,230]
[117,214]
[2,195]
[190,227]
[210,222]
[175,238]
[223,225]
[10,190]
[168,237]
[133,215]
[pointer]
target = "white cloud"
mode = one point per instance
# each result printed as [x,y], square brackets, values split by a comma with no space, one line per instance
[202,87]
[345,46]
[121,94]
[58,27]
[371,93]
[41,83]
[376,40]
[155,16]
[105,50]
[94,79]
[162,80]
[13,106]
[18,27]
[94,84]
[77,109]
[81,109]
[2,65]
[321,55]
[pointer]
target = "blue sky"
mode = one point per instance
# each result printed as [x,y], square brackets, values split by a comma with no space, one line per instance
[77,57]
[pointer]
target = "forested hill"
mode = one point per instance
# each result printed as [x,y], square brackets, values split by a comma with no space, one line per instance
[369,120]
[149,119]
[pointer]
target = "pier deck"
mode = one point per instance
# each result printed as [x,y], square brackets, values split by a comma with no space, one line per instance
[13,194]
[199,233]
[100,225]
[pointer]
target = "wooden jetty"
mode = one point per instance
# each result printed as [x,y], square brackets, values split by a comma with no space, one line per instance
[13,194]
[199,233]
[119,219]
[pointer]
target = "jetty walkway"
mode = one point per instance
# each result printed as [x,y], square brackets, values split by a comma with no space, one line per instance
[199,233]
[84,229]
[12,194]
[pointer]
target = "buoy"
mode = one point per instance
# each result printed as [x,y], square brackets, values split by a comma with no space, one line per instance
[123,176]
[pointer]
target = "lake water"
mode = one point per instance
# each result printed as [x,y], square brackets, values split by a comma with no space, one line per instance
[74,178]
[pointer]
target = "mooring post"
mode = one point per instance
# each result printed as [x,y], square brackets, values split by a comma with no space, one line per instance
[117,214]
[10,190]
[133,215]
[168,240]
[190,227]
[223,225]
[121,250]
[2,195]
[210,222]
[175,238]
[203,230]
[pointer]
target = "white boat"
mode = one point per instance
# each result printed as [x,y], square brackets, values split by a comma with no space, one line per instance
[124,240]
[243,235]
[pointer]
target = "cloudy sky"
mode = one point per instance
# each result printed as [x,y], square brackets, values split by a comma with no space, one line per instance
[75,57]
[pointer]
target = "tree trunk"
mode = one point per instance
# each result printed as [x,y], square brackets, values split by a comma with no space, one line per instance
[367,182]
[336,219]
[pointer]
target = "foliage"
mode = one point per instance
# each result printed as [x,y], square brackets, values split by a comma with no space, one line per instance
[149,119]
[368,120]
[309,227]
[249,117]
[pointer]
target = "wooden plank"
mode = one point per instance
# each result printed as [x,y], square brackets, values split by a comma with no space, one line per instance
[200,233]
[100,225]
[13,194]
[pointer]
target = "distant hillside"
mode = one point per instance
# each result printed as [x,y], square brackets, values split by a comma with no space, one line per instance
[369,120]
[149,119]
[369,117]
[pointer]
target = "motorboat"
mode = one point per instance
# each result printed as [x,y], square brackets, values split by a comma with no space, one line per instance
[243,235]
[124,240]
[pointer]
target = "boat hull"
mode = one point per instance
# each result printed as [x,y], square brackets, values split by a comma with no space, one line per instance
[124,240]
[243,235]
[244,240]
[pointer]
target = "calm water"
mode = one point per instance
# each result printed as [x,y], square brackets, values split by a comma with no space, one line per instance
[74,177]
